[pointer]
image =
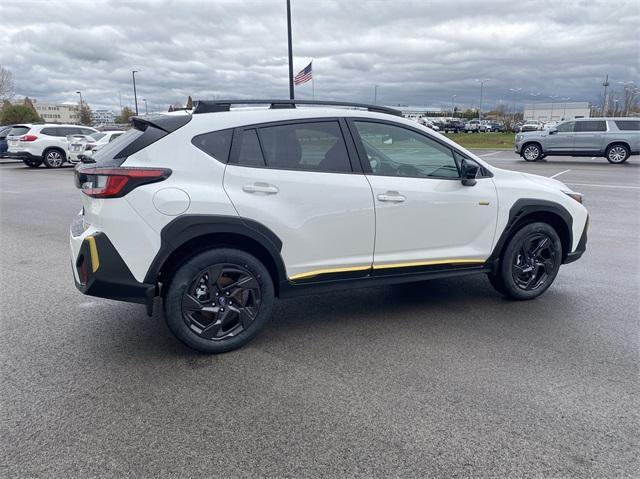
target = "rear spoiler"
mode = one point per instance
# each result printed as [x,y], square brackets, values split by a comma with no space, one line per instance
[166,123]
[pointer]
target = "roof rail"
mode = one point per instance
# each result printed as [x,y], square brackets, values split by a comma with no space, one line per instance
[211,106]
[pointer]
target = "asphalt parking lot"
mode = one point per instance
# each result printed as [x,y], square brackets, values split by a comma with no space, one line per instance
[443,378]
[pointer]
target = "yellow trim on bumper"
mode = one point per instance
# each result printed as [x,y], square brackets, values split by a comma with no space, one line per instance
[409,264]
[93,250]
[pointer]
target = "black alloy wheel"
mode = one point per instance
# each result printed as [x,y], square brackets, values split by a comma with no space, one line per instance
[221,302]
[534,261]
[218,300]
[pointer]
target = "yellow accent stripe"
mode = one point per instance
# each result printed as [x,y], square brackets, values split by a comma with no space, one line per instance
[427,263]
[317,272]
[93,249]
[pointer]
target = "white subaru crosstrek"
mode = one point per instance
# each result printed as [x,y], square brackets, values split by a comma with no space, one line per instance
[221,210]
[43,143]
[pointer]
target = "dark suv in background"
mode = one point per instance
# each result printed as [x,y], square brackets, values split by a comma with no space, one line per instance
[4,132]
[616,139]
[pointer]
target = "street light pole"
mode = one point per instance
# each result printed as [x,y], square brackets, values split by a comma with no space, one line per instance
[481,89]
[564,112]
[533,102]
[290,44]
[146,110]
[375,94]
[453,105]
[515,96]
[135,94]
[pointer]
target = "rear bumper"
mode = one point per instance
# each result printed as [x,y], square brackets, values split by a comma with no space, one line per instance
[100,271]
[23,155]
[581,248]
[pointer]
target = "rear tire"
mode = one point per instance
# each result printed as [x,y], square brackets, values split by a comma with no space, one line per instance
[53,158]
[529,263]
[617,154]
[32,163]
[219,300]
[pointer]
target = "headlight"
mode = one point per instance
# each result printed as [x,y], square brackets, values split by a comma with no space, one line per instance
[518,137]
[576,196]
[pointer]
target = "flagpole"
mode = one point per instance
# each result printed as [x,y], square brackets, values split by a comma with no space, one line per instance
[313,85]
[291,93]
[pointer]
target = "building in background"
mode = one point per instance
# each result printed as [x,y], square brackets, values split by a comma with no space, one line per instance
[414,112]
[556,111]
[102,117]
[57,112]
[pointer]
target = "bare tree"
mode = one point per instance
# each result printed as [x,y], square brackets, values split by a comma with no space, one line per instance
[6,83]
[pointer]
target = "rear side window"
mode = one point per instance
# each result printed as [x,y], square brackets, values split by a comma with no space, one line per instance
[628,125]
[19,131]
[598,125]
[249,153]
[216,144]
[305,146]
[52,131]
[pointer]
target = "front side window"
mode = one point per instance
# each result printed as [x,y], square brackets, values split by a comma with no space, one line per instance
[596,125]
[566,127]
[397,151]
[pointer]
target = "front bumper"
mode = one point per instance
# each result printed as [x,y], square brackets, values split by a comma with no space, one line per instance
[581,248]
[100,271]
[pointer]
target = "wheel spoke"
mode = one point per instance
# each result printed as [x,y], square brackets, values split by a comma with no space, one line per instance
[190,303]
[214,273]
[541,247]
[212,330]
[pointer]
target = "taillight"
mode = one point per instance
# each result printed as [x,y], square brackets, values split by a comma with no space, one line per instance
[28,138]
[116,182]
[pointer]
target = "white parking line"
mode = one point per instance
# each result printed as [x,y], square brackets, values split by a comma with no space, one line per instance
[490,154]
[561,173]
[605,186]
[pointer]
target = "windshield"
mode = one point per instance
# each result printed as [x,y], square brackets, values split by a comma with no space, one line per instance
[97,136]
[107,155]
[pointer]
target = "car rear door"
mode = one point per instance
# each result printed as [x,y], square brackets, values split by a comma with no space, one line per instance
[589,136]
[424,215]
[299,180]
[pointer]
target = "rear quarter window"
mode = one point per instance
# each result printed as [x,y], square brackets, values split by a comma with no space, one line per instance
[628,125]
[19,130]
[216,144]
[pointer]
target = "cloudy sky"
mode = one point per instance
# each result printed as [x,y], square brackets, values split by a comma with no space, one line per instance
[418,52]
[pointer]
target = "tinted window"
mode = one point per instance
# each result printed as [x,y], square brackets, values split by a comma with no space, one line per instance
[215,144]
[109,154]
[19,130]
[86,131]
[591,125]
[305,146]
[50,131]
[4,132]
[97,136]
[566,127]
[396,151]
[114,136]
[627,125]
[250,153]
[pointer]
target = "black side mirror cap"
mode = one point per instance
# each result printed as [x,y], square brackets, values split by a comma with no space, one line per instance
[469,174]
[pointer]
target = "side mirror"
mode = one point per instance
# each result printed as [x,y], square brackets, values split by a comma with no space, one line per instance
[553,131]
[469,173]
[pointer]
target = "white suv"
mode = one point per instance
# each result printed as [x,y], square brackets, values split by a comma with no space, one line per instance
[88,145]
[221,210]
[46,143]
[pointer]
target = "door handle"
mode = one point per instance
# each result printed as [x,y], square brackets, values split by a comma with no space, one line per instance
[391,197]
[264,188]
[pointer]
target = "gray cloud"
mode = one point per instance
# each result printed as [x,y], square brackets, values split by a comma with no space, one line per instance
[419,52]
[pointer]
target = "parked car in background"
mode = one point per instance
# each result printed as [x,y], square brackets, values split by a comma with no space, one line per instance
[37,143]
[531,125]
[197,209]
[616,139]
[4,132]
[496,126]
[453,126]
[88,145]
[472,126]
[428,123]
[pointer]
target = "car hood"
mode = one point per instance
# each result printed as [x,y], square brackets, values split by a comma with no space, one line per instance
[548,182]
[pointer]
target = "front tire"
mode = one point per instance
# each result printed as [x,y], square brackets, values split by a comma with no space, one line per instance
[219,300]
[530,262]
[532,152]
[53,159]
[617,154]
[32,163]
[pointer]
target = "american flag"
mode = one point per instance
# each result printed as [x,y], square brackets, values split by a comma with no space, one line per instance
[304,75]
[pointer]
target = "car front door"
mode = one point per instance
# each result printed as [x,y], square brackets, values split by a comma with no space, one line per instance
[589,136]
[560,139]
[424,214]
[297,179]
